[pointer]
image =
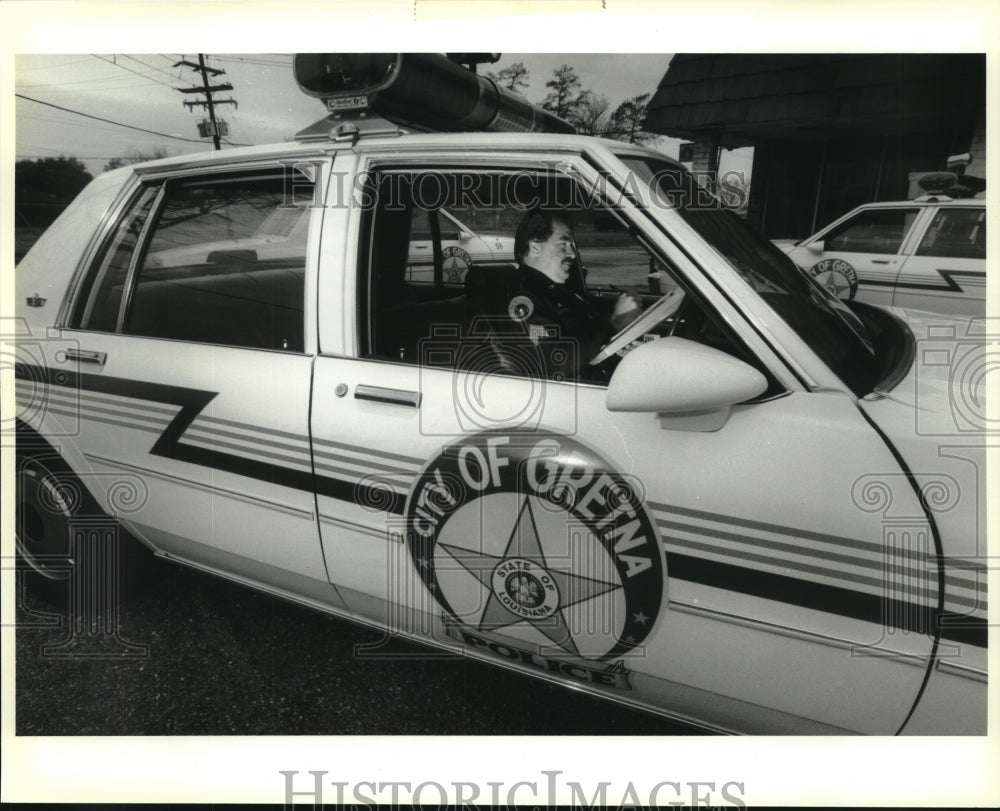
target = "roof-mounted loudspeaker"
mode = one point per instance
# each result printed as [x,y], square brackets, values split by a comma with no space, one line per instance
[426,92]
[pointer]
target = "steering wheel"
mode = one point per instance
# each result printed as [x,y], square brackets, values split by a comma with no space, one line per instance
[664,308]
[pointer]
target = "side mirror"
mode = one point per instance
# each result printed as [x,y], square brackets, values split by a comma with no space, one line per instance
[464,236]
[817,246]
[691,386]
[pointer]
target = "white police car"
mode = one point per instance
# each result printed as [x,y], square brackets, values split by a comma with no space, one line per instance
[460,247]
[927,254]
[756,508]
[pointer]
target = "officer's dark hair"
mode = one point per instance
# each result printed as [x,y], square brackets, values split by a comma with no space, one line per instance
[536,225]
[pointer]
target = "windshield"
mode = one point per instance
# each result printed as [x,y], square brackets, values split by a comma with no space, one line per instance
[824,322]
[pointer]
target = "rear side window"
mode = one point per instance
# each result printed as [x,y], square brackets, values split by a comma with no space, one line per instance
[221,260]
[877,230]
[956,232]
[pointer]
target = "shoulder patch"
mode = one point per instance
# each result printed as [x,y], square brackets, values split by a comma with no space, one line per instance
[520,308]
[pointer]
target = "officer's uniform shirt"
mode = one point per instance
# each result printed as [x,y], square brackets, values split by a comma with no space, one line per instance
[557,316]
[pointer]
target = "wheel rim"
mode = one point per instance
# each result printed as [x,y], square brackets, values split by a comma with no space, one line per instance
[44,507]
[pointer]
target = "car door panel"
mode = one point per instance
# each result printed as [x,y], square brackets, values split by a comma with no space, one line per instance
[201,387]
[945,271]
[238,464]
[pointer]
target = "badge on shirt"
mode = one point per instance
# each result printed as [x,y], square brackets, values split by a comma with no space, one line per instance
[520,308]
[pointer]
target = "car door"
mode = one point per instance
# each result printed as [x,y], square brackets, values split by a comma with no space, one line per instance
[194,371]
[860,256]
[946,271]
[729,572]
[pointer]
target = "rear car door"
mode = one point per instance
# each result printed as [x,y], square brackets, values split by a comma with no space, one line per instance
[194,369]
[727,571]
[946,271]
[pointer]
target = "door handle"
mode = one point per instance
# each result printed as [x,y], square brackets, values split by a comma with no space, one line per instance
[86,357]
[377,394]
[881,261]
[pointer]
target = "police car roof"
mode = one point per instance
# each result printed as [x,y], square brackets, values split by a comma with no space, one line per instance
[473,141]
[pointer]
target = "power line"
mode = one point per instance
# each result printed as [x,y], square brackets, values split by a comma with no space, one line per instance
[143,75]
[63,122]
[265,62]
[108,120]
[152,67]
[104,82]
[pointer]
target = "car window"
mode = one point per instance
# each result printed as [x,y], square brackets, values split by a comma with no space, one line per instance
[421,226]
[469,318]
[876,230]
[100,301]
[826,324]
[956,232]
[224,263]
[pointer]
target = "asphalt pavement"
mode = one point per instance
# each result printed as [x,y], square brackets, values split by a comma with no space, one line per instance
[195,655]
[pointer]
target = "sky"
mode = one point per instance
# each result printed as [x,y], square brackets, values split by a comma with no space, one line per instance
[139,90]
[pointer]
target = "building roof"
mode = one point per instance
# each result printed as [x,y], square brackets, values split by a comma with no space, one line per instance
[751,98]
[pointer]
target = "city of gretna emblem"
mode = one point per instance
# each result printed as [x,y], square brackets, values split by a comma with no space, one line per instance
[535,548]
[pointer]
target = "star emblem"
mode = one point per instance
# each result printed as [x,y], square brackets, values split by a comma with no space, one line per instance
[640,618]
[835,282]
[453,269]
[517,600]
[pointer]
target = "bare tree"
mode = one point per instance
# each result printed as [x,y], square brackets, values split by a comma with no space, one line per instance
[591,114]
[136,156]
[513,77]
[626,121]
[564,92]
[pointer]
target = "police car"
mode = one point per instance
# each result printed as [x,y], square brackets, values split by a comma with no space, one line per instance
[927,254]
[756,508]
[460,247]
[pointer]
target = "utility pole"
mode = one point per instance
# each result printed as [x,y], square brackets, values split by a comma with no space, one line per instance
[208,90]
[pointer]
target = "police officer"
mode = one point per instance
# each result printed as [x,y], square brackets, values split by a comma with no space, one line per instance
[549,303]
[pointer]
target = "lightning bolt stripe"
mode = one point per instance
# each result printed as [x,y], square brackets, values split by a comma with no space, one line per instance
[972,279]
[410,464]
[874,568]
[759,559]
[121,411]
[784,564]
[189,403]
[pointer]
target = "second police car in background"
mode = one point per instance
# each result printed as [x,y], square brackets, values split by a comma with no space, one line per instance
[927,254]
[757,508]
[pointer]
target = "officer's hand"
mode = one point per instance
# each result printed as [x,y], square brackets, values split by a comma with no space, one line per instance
[627,309]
